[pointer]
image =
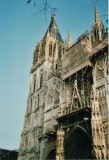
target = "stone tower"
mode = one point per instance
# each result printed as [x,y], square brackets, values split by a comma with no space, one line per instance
[68,103]
[38,136]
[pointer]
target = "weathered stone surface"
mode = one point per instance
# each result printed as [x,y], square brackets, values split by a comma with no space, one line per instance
[65,117]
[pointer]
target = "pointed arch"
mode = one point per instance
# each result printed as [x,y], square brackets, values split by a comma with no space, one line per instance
[52,155]
[41,78]
[54,49]
[34,83]
[31,105]
[50,49]
[56,67]
[96,34]
[59,52]
[78,144]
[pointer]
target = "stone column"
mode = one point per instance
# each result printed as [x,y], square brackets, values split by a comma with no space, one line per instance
[60,145]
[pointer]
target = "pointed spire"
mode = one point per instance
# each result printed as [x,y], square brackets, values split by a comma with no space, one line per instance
[53,30]
[52,18]
[97,17]
[69,40]
[97,27]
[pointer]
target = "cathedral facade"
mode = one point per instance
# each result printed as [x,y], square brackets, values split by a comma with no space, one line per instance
[68,103]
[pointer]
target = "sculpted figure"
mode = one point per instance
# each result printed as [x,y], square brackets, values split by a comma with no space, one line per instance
[103,153]
[99,154]
[96,152]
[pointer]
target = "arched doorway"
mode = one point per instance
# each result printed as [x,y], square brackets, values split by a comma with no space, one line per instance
[78,145]
[52,155]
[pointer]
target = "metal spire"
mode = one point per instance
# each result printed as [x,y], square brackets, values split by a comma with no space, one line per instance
[53,12]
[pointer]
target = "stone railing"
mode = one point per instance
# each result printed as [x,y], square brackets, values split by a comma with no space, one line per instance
[74,106]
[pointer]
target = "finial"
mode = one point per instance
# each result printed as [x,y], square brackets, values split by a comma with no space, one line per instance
[97,17]
[53,12]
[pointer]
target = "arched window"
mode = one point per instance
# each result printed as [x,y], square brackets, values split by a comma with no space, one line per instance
[96,35]
[42,49]
[56,67]
[34,84]
[50,49]
[41,80]
[31,104]
[42,46]
[59,52]
[51,155]
[54,48]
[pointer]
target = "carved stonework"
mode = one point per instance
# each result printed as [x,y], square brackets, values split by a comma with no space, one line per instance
[60,145]
[99,75]
[99,144]
[101,67]
[60,89]
[50,95]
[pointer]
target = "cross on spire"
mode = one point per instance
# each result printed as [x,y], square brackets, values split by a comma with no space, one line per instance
[53,12]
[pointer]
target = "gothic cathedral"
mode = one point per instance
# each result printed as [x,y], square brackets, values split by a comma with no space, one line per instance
[68,103]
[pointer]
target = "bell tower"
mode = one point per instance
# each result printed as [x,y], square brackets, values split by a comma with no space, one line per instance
[38,136]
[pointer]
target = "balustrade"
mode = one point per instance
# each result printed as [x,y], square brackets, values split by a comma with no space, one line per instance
[74,106]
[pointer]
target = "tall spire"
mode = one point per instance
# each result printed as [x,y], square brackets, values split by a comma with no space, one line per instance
[69,40]
[97,17]
[98,28]
[53,30]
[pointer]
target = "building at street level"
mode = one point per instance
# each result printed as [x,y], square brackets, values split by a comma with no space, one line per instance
[68,102]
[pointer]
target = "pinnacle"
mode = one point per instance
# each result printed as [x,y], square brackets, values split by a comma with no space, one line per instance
[97,17]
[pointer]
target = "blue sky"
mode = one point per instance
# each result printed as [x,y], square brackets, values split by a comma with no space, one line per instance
[19,33]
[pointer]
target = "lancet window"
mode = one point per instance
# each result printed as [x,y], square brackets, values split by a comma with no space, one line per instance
[41,79]
[96,34]
[59,52]
[54,48]
[34,84]
[31,104]
[42,49]
[50,49]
